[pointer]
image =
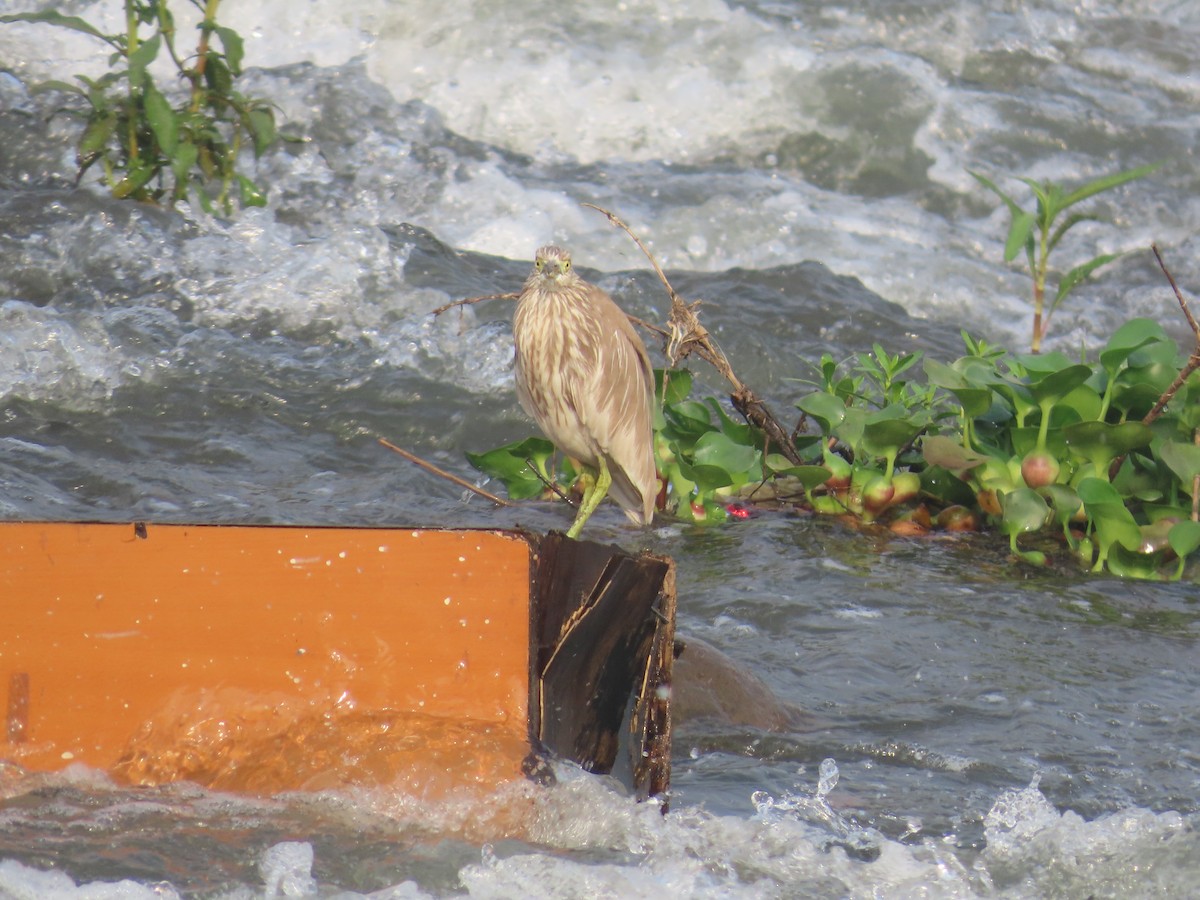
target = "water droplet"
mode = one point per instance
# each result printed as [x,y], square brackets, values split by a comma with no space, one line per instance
[828,778]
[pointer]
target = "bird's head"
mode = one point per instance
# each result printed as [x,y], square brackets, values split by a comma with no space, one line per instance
[553,265]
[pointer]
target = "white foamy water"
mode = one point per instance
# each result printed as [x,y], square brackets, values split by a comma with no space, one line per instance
[750,134]
[795,845]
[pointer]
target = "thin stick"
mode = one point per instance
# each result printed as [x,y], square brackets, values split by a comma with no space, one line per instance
[1178,296]
[442,473]
[613,219]
[549,485]
[686,336]
[470,300]
[649,326]
[1193,362]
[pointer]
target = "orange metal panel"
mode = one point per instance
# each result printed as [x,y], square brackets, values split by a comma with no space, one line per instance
[264,657]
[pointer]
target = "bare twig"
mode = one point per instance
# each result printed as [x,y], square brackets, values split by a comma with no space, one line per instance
[471,300]
[649,326]
[685,336]
[548,484]
[442,473]
[1178,296]
[1193,362]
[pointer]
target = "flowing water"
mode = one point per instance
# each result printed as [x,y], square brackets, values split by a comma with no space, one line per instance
[967,727]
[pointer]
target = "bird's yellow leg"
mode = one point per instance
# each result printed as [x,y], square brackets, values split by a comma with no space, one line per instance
[591,499]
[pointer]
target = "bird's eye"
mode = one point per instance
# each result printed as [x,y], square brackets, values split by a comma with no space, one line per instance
[566,265]
[539,264]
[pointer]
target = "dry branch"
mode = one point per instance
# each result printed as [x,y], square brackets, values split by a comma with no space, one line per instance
[1193,362]
[685,336]
[442,473]
[471,300]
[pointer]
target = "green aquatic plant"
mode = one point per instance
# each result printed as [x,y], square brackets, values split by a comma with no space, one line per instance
[148,147]
[1073,434]
[1051,452]
[1038,232]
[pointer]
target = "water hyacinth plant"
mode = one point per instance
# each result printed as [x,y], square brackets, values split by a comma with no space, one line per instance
[1050,452]
[148,147]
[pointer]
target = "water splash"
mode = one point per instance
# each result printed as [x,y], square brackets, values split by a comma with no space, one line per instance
[286,870]
[814,808]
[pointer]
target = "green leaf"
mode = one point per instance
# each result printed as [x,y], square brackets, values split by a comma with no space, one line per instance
[975,399]
[1107,183]
[850,430]
[740,462]
[808,476]
[1134,400]
[1045,193]
[53,85]
[249,193]
[827,409]
[218,78]
[1019,234]
[508,464]
[1023,510]
[1038,365]
[48,17]
[939,450]
[706,478]
[1082,403]
[140,58]
[1184,537]
[231,41]
[162,119]
[740,432]
[183,161]
[260,122]
[1097,492]
[1056,385]
[1012,205]
[1077,274]
[688,419]
[135,179]
[1134,564]
[678,384]
[181,166]
[1113,523]
[1066,502]
[96,135]
[1025,440]
[946,486]
[1182,459]
[1137,386]
[1134,334]
[1066,225]
[886,436]
[1102,442]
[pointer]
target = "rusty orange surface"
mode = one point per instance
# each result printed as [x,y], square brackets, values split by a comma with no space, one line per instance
[265,657]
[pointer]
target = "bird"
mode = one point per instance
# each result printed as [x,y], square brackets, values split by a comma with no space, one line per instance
[583,374]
